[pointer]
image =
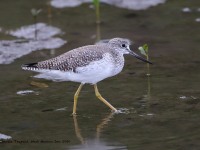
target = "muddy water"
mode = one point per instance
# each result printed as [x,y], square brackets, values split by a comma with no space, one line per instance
[159,112]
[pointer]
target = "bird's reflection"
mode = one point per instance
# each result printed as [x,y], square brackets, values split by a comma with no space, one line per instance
[77,130]
[99,127]
[96,143]
[104,122]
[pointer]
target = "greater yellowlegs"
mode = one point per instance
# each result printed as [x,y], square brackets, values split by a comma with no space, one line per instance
[87,64]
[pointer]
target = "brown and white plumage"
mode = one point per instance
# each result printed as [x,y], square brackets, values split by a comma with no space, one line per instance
[87,64]
[69,61]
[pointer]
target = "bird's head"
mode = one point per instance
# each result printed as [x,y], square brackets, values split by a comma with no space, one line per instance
[123,46]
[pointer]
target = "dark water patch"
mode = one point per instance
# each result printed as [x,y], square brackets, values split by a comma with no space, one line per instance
[46,110]
[131,15]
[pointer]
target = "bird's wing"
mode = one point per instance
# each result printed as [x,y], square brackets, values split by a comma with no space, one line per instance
[75,58]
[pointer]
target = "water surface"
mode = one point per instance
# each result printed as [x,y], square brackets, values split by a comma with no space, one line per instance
[161,112]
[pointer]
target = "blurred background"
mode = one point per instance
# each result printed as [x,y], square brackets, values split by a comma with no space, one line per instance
[157,111]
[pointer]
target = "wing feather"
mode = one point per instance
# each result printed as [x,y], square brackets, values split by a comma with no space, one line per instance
[69,61]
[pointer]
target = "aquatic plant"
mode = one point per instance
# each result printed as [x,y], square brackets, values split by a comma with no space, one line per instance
[144,50]
[96,3]
[35,13]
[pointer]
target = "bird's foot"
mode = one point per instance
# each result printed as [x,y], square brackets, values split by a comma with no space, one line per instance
[115,111]
[74,114]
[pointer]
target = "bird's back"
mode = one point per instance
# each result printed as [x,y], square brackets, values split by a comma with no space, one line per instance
[70,60]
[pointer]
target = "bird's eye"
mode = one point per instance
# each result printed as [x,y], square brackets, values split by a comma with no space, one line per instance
[123,45]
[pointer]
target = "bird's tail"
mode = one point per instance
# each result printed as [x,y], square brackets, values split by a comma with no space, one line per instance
[31,66]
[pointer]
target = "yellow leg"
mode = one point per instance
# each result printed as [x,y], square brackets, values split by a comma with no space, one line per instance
[102,99]
[76,98]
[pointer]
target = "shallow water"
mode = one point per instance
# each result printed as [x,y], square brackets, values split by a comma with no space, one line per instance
[159,112]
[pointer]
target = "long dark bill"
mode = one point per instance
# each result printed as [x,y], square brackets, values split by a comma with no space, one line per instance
[139,57]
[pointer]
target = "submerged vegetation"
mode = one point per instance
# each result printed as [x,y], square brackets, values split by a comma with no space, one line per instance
[35,13]
[96,3]
[144,50]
